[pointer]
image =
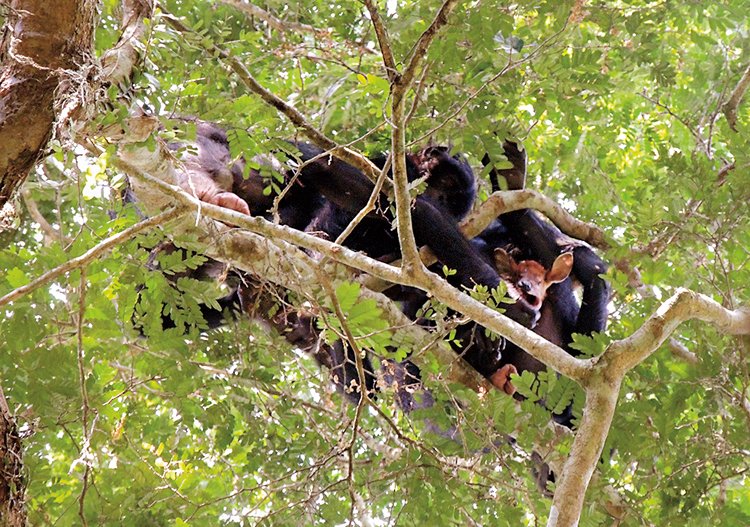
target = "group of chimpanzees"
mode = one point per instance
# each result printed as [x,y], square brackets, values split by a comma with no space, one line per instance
[518,248]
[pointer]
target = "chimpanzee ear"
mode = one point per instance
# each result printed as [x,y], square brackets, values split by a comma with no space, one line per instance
[504,262]
[560,269]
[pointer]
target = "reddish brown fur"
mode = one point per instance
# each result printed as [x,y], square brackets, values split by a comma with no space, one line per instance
[527,282]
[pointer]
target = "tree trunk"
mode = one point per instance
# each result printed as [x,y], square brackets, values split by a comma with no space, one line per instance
[12,482]
[44,46]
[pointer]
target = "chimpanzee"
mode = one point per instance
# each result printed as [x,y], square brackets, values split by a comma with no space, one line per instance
[208,171]
[327,193]
[450,193]
[543,242]
[539,245]
[213,176]
[535,239]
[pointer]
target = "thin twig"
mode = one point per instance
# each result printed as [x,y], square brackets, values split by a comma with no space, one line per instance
[275,22]
[420,49]
[295,116]
[85,456]
[92,254]
[510,65]
[383,41]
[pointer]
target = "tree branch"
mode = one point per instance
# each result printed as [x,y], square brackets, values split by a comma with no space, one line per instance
[45,44]
[411,265]
[684,305]
[295,116]
[92,254]
[274,22]
[118,62]
[420,50]
[598,412]
[512,200]
[383,40]
[508,201]
[603,385]
[730,107]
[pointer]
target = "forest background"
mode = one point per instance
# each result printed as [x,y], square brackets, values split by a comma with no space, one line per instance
[633,118]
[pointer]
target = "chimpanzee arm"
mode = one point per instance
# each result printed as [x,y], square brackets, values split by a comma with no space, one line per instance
[596,291]
[539,238]
[441,234]
[338,181]
[515,177]
[349,189]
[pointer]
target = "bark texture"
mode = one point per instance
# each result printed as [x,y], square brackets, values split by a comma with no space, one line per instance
[44,46]
[12,481]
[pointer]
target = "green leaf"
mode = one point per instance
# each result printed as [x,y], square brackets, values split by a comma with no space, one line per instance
[16,277]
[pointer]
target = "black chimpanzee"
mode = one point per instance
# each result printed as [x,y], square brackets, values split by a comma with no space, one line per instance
[448,197]
[539,246]
[327,193]
[450,193]
[535,239]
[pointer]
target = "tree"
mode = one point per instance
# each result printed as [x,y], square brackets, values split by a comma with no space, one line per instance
[633,118]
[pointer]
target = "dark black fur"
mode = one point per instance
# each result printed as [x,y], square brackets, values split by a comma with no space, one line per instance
[327,193]
[532,238]
[450,193]
[537,239]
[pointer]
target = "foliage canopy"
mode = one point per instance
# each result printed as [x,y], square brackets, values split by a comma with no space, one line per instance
[619,105]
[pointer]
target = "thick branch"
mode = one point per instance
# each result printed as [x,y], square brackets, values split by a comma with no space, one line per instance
[400,86]
[411,262]
[603,386]
[730,107]
[601,402]
[271,230]
[682,306]
[512,200]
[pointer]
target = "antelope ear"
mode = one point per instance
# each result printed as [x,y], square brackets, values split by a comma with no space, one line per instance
[560,269]
[504,262]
